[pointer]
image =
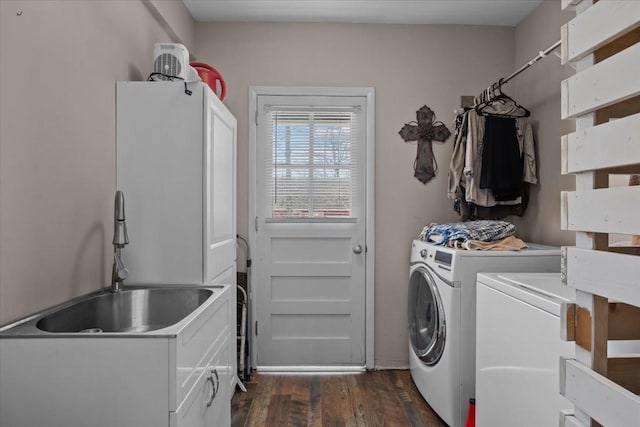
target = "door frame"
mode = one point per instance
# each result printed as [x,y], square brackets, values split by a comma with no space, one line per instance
[369,94]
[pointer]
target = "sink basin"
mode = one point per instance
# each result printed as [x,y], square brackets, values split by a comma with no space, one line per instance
[131,310]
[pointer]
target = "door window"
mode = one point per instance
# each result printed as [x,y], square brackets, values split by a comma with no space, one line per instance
[311,169]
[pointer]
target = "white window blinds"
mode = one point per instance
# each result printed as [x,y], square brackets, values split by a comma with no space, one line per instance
[311,162]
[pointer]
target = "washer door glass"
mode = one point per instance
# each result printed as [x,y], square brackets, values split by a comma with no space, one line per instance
[426,317]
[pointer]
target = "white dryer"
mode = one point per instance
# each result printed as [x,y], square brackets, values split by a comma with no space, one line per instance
[518,342]
[441,317]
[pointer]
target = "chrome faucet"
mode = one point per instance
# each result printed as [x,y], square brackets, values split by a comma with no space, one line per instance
[120,238]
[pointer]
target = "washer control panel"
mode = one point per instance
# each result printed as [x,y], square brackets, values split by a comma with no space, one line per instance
[441,257]
[444,258]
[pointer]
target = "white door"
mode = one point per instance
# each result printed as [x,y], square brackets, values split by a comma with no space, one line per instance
[309,271]
[220,192]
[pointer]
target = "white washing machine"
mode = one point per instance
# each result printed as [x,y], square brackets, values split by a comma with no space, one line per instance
[441,317]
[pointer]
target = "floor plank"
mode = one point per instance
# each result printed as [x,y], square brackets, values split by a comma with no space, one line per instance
[374,417]
[368,399]
[391,405]
[315,408]
[299,410]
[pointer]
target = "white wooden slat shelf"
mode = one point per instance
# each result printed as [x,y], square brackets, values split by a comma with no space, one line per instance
[608,82]
[603,44]
[605,210]
[602,399]
[610,145]
[589,31]
[613,276]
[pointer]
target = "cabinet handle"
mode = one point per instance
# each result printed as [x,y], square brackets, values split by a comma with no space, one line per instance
[215,385]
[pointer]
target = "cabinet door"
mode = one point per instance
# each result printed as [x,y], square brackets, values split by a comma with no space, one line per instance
[219,414]
[196,341]
[160,171]
[220,191]
[209,402]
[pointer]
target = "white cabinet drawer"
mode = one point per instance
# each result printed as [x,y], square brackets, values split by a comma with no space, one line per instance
[195,344]
[208,402]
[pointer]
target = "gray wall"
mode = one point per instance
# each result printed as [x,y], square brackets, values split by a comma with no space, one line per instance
[60,61]
[538,88]
[409,66]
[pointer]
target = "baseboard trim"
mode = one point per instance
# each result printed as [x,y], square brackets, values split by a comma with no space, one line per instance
[310,369]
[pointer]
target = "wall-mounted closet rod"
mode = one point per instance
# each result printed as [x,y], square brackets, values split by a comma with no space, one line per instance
[541,55]
[488,92]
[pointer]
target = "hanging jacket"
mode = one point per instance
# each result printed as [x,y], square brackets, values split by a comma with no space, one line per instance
[473,159]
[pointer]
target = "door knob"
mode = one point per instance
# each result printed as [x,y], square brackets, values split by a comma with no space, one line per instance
[357,249]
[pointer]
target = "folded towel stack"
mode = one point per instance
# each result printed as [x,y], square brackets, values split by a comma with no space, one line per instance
[456,234]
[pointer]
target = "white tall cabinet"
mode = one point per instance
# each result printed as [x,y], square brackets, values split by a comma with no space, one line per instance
[176,165]
[176,157]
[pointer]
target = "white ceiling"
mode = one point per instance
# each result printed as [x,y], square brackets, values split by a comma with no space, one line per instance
[468,12]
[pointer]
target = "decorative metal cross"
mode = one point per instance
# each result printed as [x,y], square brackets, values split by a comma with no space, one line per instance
[425,130]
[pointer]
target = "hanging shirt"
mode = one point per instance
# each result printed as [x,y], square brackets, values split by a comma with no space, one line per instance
[501,159]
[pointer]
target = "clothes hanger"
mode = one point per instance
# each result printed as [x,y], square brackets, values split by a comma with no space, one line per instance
[485,96]
[484,108]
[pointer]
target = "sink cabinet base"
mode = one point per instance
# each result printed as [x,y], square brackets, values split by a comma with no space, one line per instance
[110,381]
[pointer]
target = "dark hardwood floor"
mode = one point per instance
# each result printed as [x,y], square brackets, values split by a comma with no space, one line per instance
[371,399]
